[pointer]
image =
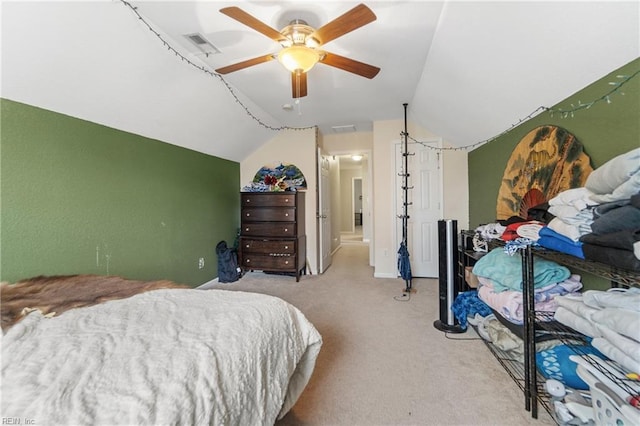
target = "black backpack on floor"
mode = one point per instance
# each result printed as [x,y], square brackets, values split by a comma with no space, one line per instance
[227,263]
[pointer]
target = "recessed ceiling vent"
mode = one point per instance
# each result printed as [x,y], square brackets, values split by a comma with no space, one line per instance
[202,44]
[344,129]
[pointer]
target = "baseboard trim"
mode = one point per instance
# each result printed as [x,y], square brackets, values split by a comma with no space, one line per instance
[208,284]
[384,275]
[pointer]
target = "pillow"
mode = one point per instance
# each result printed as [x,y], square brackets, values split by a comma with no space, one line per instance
[606,178]
[554,363]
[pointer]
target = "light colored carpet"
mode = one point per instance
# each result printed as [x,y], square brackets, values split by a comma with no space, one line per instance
[382,362]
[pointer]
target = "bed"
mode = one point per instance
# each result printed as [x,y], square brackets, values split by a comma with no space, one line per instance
[166,354]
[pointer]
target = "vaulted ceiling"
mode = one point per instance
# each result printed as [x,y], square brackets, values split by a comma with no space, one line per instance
[468,70]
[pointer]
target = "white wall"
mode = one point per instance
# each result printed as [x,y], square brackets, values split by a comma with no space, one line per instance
[336,208]
[291,147]
[455,190]
[456,187]
[299,148]
[346,198]
[351,143]
[347,143]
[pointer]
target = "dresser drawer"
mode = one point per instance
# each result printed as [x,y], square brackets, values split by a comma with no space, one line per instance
[269,263]
[268,229]
[268,246]
[276,214]
[269,199]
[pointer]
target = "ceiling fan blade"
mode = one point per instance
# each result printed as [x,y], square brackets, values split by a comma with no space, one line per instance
[355,18]
[251,22]
[299,84]
[244,64]
[346,64]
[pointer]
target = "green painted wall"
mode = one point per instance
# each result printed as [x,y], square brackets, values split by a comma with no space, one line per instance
[78,197]
[605,130]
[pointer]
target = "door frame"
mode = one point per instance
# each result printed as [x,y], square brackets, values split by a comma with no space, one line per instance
[323,264]
[367,233]
[353,203]
[397,190]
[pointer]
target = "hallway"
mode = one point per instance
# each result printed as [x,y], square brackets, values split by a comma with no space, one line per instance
[352,237]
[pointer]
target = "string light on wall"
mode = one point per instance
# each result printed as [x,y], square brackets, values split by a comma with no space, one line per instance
[210,73]
[566,113]
[562,113]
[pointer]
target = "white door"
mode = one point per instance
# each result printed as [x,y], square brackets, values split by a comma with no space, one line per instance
[424,208]
[324,213]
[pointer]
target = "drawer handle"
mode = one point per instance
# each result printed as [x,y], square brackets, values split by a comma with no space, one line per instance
[248,260]
[247,246]
[248,200]
[248,214]
[286,229]
[286,247]
[286,200]
[286,214]
[246,229]
[286,262]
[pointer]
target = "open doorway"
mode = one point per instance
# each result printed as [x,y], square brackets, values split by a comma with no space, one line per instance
[354,215]
[353,198]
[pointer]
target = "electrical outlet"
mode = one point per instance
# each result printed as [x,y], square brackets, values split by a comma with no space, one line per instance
[201,263]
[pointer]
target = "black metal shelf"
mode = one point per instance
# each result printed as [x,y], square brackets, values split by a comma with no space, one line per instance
[568,336]
[515,370]
[526,374]
[611,273]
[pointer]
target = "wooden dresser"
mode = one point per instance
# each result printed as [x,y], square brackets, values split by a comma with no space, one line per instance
[272,232]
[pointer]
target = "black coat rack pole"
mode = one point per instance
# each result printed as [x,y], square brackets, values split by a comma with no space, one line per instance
[405,207]
[406,177]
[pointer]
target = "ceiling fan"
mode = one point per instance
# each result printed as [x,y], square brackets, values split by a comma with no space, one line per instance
[301,45]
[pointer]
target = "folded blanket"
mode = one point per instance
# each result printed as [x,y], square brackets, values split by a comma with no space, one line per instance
[623,240]
[575,304]
[622,321]
[553,240]
[563,211]
[618,219]
[604,208]
[509,303]
[624,191]
[629,346]
[579,198]
[626,298]
[608,177]
[622,259]
[506,271]
[530,230]
[576,322]
[570,231]
[615,354]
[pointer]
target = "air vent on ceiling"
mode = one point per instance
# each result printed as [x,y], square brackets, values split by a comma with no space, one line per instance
[202,43]
[344,129]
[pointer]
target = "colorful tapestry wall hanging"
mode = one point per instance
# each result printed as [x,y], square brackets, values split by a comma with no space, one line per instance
[283,177]
[547,161]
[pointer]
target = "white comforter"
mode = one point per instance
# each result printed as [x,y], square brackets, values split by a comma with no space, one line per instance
[164,357]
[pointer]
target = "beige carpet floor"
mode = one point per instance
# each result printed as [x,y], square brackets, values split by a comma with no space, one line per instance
[382,362]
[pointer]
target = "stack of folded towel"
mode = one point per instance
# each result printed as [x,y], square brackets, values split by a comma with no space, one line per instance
[611,317]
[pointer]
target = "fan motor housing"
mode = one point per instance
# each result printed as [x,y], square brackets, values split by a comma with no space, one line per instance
[298,32]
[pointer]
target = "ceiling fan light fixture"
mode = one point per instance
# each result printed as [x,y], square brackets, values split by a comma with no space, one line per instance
[298,57]
[311,42]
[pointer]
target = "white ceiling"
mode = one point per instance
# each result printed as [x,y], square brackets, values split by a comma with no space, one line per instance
[468,70]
